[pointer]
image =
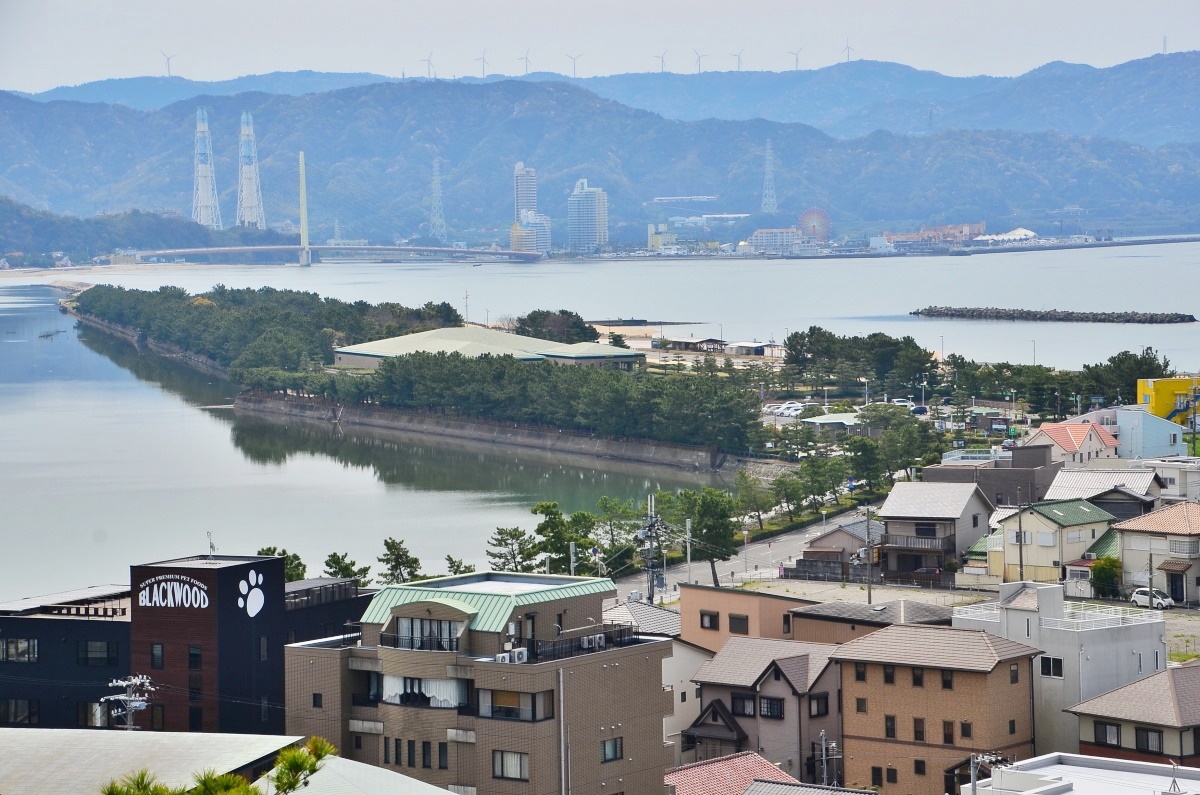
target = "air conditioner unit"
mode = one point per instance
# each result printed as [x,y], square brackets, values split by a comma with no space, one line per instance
[599,641]
[503,658]
[520,655]
[587,642]
[1089,555]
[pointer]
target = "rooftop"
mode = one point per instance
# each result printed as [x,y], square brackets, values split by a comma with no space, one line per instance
[933,647]
[929,500]
[646,617]
[207,561]
[1077,616]
[1075,774]
[91,595]
[900,611]
[857,529]
[340,776]
[1167,698]
[1180,519]
[1068,513]
[1084,484]
[741,662]
[723,775]
[474,341]
[762,787]
[1071,436]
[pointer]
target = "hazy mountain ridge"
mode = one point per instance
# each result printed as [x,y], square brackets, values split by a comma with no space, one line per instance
[370,151]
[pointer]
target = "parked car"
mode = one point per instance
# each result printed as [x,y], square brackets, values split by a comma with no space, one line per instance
[919,409]
[903,402]
[928,571]
[1151,597]
[791,404]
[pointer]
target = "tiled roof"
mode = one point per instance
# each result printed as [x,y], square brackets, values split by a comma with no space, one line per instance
[760,787]
[646,617]
[857,529]
[1070,436]
[933,647]
[900,611]
[1107,545]
[742,661]
[929,500]
[1168,698]
[1174,565]
[724,775]
[1084,484]
[1000,514]
[1068,513]
[1179,519]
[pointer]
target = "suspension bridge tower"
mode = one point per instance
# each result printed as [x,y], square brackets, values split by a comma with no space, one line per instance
[437,222]
[769,206]
[250,205]
[206,210]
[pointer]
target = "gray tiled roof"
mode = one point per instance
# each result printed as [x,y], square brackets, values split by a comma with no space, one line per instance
[647,617]
[339,776]
[929,500]
[1084,484]
[760,787]
[933,647]
[857,529]
[742,661]
[900,611]
[1168,698]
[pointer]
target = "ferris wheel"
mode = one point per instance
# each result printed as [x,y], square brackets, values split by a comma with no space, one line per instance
[816,223]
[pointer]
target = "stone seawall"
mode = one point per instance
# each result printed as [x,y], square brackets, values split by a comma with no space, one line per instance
[693,459]
[140,340]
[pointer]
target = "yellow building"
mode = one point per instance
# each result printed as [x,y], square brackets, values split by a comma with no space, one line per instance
[1172,398]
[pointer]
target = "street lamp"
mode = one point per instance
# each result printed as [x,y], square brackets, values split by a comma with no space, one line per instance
[826,396]
[824,512]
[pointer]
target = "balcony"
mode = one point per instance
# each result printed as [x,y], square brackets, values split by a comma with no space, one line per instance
[364,700]
[390,640]
[614,635]
[920,543]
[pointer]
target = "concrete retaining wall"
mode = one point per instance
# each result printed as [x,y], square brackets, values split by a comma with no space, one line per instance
[140,340]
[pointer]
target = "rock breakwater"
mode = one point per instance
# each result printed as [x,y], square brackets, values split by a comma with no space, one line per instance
[1053,315]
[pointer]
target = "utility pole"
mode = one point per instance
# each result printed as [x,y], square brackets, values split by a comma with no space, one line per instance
[1020,539]
[976,761]
[689,551]
[137,690]
[650,534]
[572,547]
[870,556]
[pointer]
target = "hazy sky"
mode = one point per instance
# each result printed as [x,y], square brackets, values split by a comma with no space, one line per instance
[46,43]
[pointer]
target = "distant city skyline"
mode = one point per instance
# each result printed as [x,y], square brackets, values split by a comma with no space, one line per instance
[66,42]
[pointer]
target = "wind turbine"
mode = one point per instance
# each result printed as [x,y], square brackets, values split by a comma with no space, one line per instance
[848,49]
[168,57]
[699,58]
[482,64]
[738,55]
[526,60]
[796,55]
[428,65]
[662,61]
[574,58]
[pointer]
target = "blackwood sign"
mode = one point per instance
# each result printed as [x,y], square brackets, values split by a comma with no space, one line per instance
[173,590]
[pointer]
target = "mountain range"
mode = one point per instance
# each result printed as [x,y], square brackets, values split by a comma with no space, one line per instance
[370,151]
[1149,101]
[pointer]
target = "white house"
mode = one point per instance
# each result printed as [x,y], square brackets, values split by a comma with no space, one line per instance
[1162,549]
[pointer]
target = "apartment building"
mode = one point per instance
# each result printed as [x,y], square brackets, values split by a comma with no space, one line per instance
[917,701]
[1086,649]
[1040,539]
[587,219]
[928,524]
[1161,549]
[710,616]
[776,697]
[491,682]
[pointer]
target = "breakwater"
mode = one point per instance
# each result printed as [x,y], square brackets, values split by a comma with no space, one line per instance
[1053,315]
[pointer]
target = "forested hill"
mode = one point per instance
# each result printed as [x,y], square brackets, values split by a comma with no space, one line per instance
[370,151]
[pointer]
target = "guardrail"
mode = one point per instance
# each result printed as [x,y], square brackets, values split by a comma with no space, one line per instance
[417,642]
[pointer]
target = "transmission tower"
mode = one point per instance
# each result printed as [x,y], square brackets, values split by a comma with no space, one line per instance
[437,223]
[769,205]
[250,206]
[137,691]
[206,210]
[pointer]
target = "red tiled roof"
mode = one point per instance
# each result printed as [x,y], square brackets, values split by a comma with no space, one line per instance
[724,775]
[1180,519]
[1071,436]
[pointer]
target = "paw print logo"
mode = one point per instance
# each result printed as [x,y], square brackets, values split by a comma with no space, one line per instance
[252,598]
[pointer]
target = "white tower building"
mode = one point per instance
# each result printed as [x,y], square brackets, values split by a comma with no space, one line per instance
[250,206]
[587,218]
[206,210]
[524,191]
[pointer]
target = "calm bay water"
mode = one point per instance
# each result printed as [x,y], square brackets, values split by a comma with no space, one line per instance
[108,457]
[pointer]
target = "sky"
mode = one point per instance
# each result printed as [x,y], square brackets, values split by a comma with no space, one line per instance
[48,43]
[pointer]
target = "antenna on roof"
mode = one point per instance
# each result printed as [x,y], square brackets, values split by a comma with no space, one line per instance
[212,548]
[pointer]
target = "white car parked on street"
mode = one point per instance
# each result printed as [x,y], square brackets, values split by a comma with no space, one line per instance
[1151,597]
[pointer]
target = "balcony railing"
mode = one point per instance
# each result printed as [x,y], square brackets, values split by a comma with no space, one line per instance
[924,543]
[614,635]
[417,642]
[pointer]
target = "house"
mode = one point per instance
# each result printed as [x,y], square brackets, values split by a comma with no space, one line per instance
[1152,719]
[1040,538]
[840,622]
[1086,649]
[711,616]
[1005,477]
[833,423]
[723,775]
[1180,476]
[930,524]
[1073,774]
[647,618]
[1075,445]
[1172,398]
[1079,572]
[473,682]
[778,697]
[693,344]
[845,540]
[1139,433]
[918,701]
[1159,549]
[1124,493]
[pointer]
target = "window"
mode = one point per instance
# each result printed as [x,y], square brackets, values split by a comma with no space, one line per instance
[1014,674]
[195,687]
[358,742]
[964,730]
[157,717]
[1157,659]
[860,672]
[947,732]
[682,696]
[426,754]
[1052,667]
[891,775]
[927,529]
[787,623]
[919,730]
[877,777]
[818,704]
[612,749]
[195,719]
[889,674]
[19,650]
[974,520]
[387,759]
[262,648]
[194,658]
[412,753]
[770,707]
[1148,740]
[919,767]
[742,704]
[739,625]
[318,700]
[710,620]
[889,726]
[97,653]
[398,752]
[92,715]
[1012,727]
[947,680]
[443,756]
[509,764]
[918,677]
[1107,733]
[19,711]
[860,705]
[1174,438]
[1190,547]
[156,655]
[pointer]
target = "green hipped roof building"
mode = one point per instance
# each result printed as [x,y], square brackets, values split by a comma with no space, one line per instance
[489,597]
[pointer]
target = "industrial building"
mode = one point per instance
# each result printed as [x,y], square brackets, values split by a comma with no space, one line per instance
[587,219]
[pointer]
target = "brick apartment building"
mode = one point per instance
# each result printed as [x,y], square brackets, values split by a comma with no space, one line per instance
[917,701]
[491,682]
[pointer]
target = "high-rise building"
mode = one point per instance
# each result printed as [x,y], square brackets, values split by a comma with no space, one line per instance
[587,218]
[530,233]
[524,191]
